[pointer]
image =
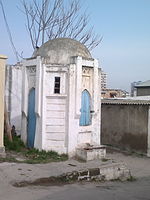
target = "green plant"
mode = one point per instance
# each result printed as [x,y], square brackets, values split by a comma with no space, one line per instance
[8,159]
[36,156]
[131,178]
[33,156]
[16,145]
[104,159]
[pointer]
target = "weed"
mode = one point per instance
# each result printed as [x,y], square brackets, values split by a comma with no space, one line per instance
[8,159]
[16,145]
[104,159]
[32,156]
[131,178]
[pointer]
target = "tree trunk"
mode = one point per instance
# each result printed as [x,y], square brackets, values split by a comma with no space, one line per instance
[7,127]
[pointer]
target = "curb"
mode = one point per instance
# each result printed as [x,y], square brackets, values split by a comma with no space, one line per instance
[105,173]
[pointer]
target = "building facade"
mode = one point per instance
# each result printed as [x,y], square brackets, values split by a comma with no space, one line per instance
[61,105]
[103,80]
[113,93]
[143,89]
[134,89]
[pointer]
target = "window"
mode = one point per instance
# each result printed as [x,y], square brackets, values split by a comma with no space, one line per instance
[57,85]
[85,117]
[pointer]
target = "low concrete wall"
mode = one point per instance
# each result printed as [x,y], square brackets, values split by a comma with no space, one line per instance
[116,171]
[125,126]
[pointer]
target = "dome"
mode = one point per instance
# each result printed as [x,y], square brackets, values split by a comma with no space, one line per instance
[60,50]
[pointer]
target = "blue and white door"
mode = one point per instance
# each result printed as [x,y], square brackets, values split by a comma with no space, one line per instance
[85,118]
[31,119]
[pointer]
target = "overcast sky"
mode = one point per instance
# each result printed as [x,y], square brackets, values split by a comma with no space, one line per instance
[124,53]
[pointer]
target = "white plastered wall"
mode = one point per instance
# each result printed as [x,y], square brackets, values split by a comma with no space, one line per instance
[38,102]
[31,76]
[54,119]
[67,138]
[13,94]
[77,135]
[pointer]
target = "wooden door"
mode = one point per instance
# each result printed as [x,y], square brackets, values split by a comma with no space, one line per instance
[31,119]
[85,118]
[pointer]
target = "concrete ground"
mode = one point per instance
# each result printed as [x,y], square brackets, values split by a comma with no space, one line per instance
[139,165]
[139,189]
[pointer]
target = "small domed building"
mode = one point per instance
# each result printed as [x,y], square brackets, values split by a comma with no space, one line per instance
[61,97]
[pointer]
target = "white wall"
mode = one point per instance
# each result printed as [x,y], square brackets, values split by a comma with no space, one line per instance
[84,74]
[58,115]
[13,93]
[54,113]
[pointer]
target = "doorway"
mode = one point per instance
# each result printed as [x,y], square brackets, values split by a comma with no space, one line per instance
[85,118]
[31,126]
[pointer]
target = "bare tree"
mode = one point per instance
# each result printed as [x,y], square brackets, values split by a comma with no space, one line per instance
[7,127]
[49,19]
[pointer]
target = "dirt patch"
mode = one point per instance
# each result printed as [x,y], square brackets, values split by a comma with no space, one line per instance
[50,181]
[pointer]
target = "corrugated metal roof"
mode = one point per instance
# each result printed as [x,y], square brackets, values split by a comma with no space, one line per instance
[125,101]
[144,84]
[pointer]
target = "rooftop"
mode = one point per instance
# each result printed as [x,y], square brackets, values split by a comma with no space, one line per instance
[144,84]
[60,50]
[127,101]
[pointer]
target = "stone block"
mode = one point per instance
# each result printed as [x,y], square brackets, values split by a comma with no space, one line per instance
[83,173]
[91,153]
[2,152]
[94,172]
